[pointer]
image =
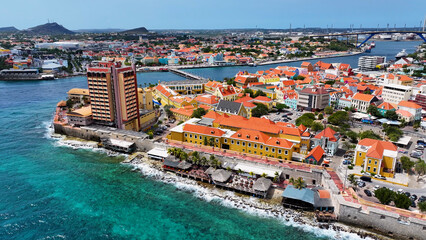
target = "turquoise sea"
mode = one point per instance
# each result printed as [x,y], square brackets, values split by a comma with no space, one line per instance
[53,192]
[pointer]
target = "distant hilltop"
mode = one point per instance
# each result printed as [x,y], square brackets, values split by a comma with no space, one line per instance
[8,29]
[48,29]
[140,30]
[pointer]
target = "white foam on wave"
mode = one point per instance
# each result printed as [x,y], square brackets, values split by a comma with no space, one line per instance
[250,205]
[49,131]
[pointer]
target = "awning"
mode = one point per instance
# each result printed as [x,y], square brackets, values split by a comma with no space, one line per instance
[157,153]
[258,170]
[404,140]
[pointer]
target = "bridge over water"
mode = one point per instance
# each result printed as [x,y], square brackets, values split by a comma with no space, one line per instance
[371,34]
[186,75]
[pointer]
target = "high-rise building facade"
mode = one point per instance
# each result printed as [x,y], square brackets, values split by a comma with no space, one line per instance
[113,95]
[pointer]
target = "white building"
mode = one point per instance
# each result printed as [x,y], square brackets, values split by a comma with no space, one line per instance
[368,63]
[393,93]
[413,108]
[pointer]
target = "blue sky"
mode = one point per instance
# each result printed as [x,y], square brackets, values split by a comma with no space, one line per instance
[211,14]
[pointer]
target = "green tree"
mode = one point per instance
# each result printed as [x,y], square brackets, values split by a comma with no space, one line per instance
[281,106]
[195,157]
[259,93]
[406,163]
[316,126]
[352,135]
[391,115]
[384,195]
[205,142]
[328,110]
[372,109]
[211,142]
[339,118]
[167,110]
[352,179]
[249,91]
[198,113]
[306,119]
[420,168]
[264,175]
[70,103]
[402,201]
[369,134]
[422,206]
[259,110]
[320,116]
[298,183]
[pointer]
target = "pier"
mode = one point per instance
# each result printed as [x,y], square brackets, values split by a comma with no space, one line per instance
[185,74]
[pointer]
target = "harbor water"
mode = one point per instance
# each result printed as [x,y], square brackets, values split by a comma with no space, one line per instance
[49,191]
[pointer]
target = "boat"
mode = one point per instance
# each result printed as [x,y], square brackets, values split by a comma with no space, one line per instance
[47,77]
[373,44]
[401,54]
[367,49]
[252,64]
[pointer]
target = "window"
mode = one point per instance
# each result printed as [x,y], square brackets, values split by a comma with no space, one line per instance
[201,137]
[238,142]
[374,169]
[261,147]
[279,151]
[273,150]
[249,144]
[369,161]
[186,134]
[285,152]
[266,149]
[225,140]
[232,141]
[375,162]
[255,145]
[368,169]
[360,154]
[217,140]
[195,136]
[190,135]
[243,143]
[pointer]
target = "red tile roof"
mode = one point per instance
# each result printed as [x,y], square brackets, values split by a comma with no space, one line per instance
[203,130]
[409,104]
[328,133]
[317,153]
[363,97]
[377,147]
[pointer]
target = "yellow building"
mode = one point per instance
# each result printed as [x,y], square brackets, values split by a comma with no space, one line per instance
[269,79]
[244,141]
[145,99]
[376,157]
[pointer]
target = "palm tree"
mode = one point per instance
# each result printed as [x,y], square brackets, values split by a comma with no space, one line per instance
[184,156]
[298,183]
[239,171]
[420,168]
[211,142]
[213,161]
[264,175]
[195,157]
[203,161]
[251,174]
[171,151]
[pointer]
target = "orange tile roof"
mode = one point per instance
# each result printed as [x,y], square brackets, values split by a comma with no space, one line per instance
[386,106]
[301,127]
[328,133]
[212,115]
[279,142]
[250,135]
[363,97]
[317,153]
[409,104]
[203,130]
[403,113]
[377,147]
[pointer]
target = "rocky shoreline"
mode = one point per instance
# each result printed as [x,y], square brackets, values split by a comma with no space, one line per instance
[260,207]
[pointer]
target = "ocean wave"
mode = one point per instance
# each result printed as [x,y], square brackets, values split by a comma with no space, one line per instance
[250,205]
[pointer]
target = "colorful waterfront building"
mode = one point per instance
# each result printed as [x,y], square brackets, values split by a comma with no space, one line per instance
[376,156]
[113,95]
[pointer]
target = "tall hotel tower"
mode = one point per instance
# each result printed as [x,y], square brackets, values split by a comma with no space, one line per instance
[113,95]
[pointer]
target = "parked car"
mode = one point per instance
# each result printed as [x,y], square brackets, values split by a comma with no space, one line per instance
[420,147]
[367,174]
[407,194]
[290,114]
[413,204]
[346,162]
[167,125]
[361,184]
[413,197]
[368,192]
[415,155]
[380,177]
[365,178]
[422,198]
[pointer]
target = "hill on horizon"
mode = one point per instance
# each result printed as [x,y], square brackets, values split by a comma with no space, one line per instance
[48,29]
[8,29]
[140,30]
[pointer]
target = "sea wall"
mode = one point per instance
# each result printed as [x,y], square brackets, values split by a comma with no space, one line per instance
[95,134]
[381,220]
